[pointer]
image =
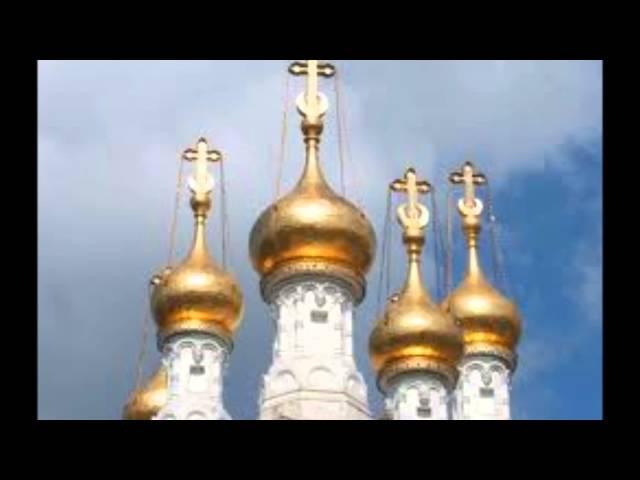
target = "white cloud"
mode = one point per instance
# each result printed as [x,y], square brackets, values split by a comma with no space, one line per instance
[507,115]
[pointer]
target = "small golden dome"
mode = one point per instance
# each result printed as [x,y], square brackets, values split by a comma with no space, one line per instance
[491,322]
[146,401]
[414,334]
[197,295]
[313,229]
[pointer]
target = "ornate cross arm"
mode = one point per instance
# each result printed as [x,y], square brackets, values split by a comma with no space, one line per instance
[322,69]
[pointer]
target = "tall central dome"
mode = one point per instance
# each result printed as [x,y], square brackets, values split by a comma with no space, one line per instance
[312,229]
[312,249]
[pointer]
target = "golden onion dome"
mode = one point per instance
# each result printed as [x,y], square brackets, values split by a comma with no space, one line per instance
[197,295]
[313,230]
[414,333]
[491,322]
[146,401]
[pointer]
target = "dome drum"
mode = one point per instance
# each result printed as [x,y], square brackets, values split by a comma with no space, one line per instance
[509,357]
[301,270]
[398,367]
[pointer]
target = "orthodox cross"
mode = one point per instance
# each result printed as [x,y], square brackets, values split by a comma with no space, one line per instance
[469,177]
[314,106]
[202,182]
[411,214]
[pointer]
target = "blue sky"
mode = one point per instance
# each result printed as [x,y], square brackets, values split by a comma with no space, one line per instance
[109,134]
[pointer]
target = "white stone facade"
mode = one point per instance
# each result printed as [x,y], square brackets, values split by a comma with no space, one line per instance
[417,396]
[483,389]
[195,364]
[313,375]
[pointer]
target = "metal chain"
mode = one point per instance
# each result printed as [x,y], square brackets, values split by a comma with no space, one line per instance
[389,246]
[224,220]
[492,231]
[340,126]
[176,205]
[143,346]
[349,160]
[436,244]
[384,250]
[283,138]
[496,256]
[448,272]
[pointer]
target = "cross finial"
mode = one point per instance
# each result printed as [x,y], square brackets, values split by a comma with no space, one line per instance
[412,215]
[314,104]
[201,182]
[469,177]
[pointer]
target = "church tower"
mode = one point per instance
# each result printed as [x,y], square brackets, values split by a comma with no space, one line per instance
[415,346]
[491,323]
[312,249]
[197,307]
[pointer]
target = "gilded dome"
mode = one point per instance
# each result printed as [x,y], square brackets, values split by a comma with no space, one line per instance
[491,322]
[197,295]
[414,334]
[313,229]
[145,402]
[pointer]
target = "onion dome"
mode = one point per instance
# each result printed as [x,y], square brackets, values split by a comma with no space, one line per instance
[145,402]
[312,230]
[491,322]
[414,333]
[197,295]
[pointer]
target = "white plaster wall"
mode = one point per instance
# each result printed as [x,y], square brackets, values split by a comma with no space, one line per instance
[483,390]
[313,374]
[417,396]
[195,364]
